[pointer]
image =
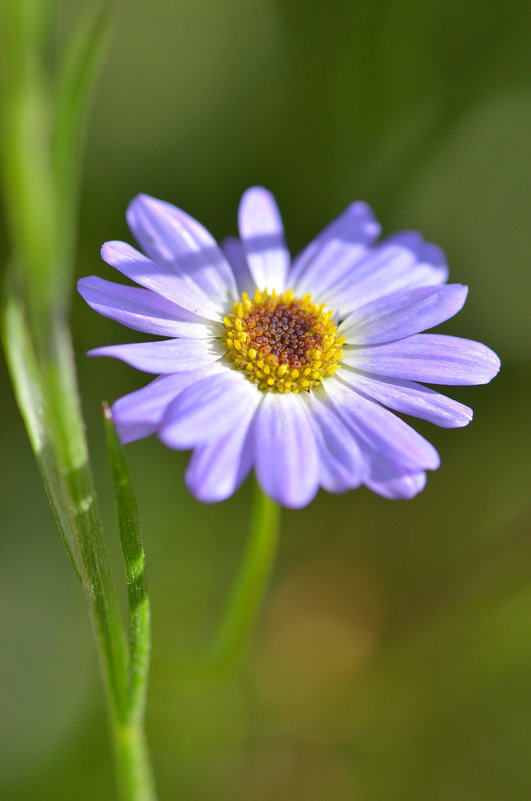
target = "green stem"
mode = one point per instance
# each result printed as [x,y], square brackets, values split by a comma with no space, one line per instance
[133,764]
[40,158]
[247,593]
[65,421]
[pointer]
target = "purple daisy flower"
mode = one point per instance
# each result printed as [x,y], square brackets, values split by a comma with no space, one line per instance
[290,367]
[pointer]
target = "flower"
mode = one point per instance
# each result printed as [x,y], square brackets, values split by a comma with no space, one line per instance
[290,367]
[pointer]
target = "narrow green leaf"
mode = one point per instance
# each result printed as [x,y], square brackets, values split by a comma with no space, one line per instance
[68,484]
[134,558]
[75,83]
[27,384]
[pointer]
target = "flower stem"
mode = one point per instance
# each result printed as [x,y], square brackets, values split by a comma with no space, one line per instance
[133,765]
[250,584]
[245,599]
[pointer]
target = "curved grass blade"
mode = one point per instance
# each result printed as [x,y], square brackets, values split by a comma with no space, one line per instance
[76,80]
[134,558]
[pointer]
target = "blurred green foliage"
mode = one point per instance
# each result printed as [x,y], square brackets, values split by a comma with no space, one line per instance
[393,657]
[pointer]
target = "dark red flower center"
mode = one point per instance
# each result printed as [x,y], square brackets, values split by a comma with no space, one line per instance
[285,332]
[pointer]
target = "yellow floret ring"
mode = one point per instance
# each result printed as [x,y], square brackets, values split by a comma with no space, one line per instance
[282,343]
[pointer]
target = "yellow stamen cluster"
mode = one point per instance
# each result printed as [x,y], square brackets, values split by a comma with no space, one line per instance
[282,343]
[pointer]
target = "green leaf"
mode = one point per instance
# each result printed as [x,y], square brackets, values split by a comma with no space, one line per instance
[75,83]
[68,483]
[134,558]
[22,364]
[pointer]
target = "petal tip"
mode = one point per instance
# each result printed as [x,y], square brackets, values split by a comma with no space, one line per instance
[258,210]
[140,200]
[464,419]
[371,226]
[84,283]
[489,367]
[95,352]
[139,205]
[114,250]
[495,363]
[257,192]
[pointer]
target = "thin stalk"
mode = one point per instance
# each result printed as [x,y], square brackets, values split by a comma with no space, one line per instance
[247,593]
[41,190]
[135,777]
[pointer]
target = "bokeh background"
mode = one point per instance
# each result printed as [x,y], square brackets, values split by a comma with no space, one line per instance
[392,659]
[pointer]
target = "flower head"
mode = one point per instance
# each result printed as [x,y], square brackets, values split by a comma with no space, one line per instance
[290,367]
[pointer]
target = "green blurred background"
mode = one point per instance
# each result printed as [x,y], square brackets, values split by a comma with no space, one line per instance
[392,659]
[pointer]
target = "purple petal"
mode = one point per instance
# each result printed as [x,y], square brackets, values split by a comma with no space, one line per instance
[138,414]
[219,467]
[390,479]
[402,261]
[262,236]
[161,280]
[287,459]
[409,398]
[178,242]
[235,255]
[142,309]
[379,430]
[434,358]
[394,485]
[168,356]
[342,465]
[402,314]
[207,410]
[334,253]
